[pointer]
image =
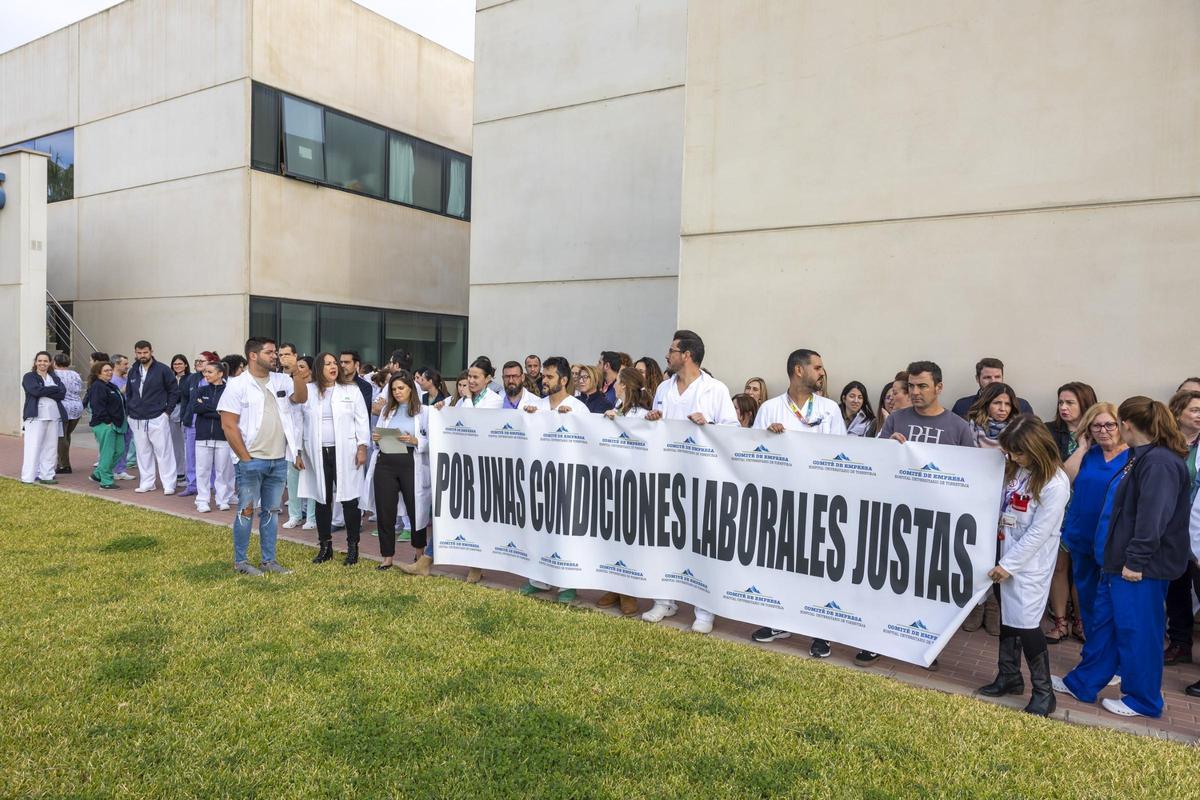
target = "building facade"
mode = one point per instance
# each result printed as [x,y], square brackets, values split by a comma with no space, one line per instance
[878,181]
[299,168]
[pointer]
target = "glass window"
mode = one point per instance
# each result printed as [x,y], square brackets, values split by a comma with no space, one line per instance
[304,138]
[354,154]
[414,332]
[298,325]
[400,168]
[427,176]
[264,128]
[262,317]
[351,329]
[456,193]
[454,347]
[60,167]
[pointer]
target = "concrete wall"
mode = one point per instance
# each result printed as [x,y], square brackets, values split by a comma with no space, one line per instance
[339,53]
[22,277]
[316,243]
[577,175]
[884,182]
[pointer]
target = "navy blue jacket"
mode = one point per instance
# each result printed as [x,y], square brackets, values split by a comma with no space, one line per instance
[597,402]
[367,390]
[188,387]
[204,412]
[35,389]
[106,403]
[1148,531]
[151,394]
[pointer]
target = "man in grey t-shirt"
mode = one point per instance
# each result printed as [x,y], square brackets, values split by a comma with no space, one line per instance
[927,422]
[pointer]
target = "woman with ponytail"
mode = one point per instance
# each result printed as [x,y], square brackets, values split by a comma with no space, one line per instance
[1147,547]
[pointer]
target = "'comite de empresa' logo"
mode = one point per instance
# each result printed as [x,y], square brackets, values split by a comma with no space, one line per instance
[563,434]
[622,570]
[690,447]
[930,473]
[835,613]
[686,578]
[558,562]
[512,551]
[842,463]
[761,455]
[754,597]
[460,428]
[624,441]
[916,632]
[507,431]
[459,542]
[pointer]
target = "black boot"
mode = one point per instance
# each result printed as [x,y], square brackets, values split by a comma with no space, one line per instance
[353,526]
[325,552]
[351,555]
[1041,698]
[1009,680]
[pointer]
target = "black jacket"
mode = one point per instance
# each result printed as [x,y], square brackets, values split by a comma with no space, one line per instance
[151,392]
[204,412]
[35,389]
[1148,531]
[106,403]
[597,402]
[367,390]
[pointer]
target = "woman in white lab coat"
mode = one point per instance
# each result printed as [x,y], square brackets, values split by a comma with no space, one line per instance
[336,436]
[393,477]
[1036,491]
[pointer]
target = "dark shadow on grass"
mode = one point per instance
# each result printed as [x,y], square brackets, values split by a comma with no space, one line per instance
[389,604]
[136,655]
[130,543]
[328,627]
[488,620]
[208,572]
[54,570]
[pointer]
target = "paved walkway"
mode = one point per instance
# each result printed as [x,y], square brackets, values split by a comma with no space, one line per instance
[967,662]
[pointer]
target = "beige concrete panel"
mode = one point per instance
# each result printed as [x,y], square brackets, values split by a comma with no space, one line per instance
[62,252]
[590,191]
[480,5]
[198,133]
[172,324]
[39,85]
[176,239]
[538,54]
[317,243]
[575,319]
[803,113]
[339,53]
[144,51]
[1096,295]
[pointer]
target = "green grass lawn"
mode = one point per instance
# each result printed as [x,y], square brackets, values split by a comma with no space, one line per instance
[136,665]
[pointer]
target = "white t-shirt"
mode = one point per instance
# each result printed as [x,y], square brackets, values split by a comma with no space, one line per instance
[706,394]
[573,403]
[47,408]
[242,396]
[821,415]
[328,435]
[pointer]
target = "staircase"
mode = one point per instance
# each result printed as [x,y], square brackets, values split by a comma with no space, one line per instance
[62,329]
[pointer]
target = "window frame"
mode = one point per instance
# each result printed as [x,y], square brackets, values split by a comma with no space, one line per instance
[31,144]
[281,150]
[439,317]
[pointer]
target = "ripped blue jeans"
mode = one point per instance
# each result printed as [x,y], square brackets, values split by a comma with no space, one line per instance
[258,480]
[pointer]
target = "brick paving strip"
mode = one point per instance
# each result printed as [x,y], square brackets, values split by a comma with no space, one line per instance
[967,662]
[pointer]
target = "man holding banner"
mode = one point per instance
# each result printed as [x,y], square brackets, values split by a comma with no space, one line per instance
[803,409]
[690,394]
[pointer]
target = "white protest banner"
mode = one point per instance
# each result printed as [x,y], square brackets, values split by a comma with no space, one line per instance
[876,544]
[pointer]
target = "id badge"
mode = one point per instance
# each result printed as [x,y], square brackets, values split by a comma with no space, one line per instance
[1008,520]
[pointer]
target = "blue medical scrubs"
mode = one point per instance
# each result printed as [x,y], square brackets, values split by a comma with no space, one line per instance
[1125,633]
[1084,533]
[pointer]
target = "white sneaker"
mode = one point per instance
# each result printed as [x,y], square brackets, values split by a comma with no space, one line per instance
[203,509]
[1060,686]
[702,626]
[223,507]
[124,476]
[1116,680]
[140,490]
[169,491]
[658,612]
[293,522]
[311,525]
[1118,707]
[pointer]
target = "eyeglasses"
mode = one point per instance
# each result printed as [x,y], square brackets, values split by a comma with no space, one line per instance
[1103,426]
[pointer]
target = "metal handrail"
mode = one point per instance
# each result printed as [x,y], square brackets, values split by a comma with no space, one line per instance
[71,320]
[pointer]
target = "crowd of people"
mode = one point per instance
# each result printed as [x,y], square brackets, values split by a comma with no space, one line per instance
[1097,538]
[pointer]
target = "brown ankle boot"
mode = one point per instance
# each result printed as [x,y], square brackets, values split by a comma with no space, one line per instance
[607,600]
[991,615]
[419,567]
[629,605]
[974,620]
[474,575]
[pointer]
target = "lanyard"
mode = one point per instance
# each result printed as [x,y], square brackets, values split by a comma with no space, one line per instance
[803,417]
[1017,490]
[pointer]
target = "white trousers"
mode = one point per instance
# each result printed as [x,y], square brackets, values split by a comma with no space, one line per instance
[214,469]
[152,438]
[41,450]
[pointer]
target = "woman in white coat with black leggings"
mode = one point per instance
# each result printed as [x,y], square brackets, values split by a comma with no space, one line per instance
[1036,491]
[336,436]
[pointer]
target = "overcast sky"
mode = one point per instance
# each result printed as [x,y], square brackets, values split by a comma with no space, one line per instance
[450,23]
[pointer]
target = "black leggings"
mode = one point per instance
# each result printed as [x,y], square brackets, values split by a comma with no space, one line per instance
[1180,617]
[325,510]
[395,476]
[1033,640]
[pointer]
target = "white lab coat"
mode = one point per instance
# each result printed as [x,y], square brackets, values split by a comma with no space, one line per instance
[528,398]
[422,483]
[351,428]
[489,399]
[825,413]
[1030,548]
